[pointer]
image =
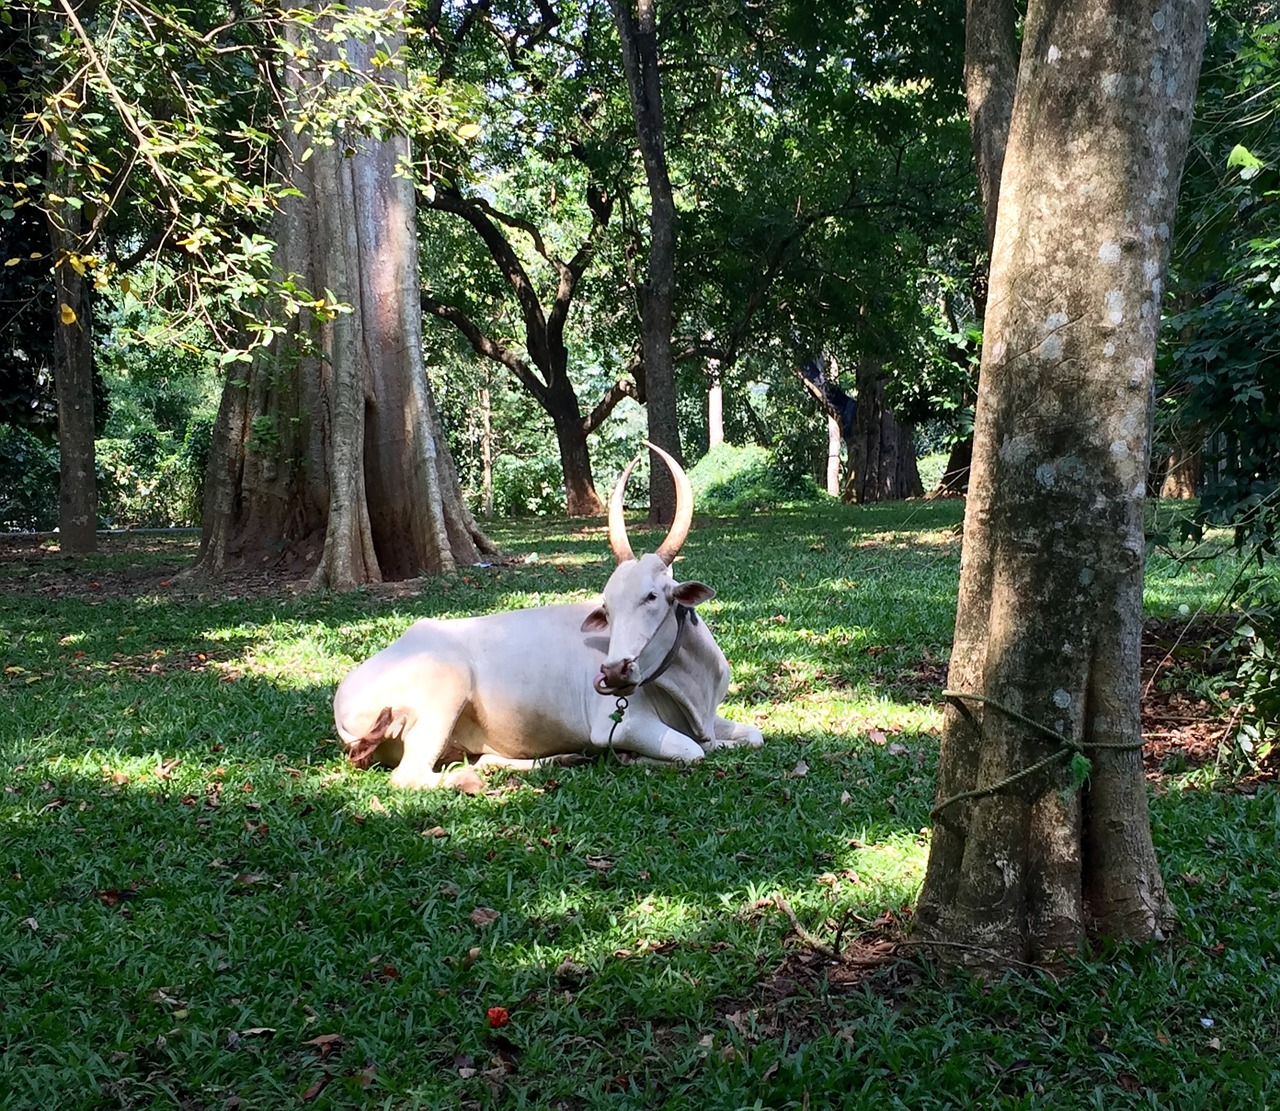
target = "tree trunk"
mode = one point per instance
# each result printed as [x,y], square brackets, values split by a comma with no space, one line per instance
[639,35]
[1182,474]
[581,499]
[715,407]
[833,456]
[73,377]
[486,452]
[882,458]
[1049,619]
[955,475]
[329,452]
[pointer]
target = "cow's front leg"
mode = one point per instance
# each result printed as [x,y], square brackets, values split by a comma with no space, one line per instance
[731,734]
[651,739]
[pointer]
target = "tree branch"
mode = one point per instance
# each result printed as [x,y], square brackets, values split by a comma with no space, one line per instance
[476,214]
[606,405]
[483,345]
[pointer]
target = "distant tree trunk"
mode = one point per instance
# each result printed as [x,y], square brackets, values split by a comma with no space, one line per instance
[1182,475]
[486,452]
[715,407]
[882,458]
[328,453]
[1049,619]
[1179,471]
[834,442]
[72,374]
[639,36]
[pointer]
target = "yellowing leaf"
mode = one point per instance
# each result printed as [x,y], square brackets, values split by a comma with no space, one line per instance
[68,314]
[13,262]
[468,131]
[77,264]
[125,285]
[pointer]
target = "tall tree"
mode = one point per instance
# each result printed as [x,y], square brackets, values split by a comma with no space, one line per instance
[544,373]
[329,450]
[530,200]
[1025,858]
[638,32]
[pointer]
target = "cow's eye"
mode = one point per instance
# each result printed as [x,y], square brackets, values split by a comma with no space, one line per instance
[653,597]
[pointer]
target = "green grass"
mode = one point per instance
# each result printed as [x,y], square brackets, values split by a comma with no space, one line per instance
[197,893]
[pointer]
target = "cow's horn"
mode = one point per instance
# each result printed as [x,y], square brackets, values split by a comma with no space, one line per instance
[617,522]
[679,531]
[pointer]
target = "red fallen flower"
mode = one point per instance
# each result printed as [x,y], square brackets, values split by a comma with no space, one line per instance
[498,1016]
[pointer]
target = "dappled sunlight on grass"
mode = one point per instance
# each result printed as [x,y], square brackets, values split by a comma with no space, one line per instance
[216,886]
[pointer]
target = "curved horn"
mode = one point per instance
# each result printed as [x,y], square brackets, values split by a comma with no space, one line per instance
[617,524]
[679,531]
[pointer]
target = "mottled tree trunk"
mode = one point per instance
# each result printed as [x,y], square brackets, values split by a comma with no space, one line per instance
[882,457]
[1050,610]
[639,35]
[328,453]
[73,377]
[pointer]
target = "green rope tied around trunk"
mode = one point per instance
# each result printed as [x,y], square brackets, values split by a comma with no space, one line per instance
[1066,747]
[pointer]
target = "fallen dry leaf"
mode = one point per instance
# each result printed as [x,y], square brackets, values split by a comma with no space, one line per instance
[599,863]
[799,771]
[435,831]
[325,1043]
[316,1088]
[876,736]
[164,770]
[484,916]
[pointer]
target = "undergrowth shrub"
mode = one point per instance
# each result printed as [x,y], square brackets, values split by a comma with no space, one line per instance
[28,481]
[734,479]
[527,486]
[1254,685]
[152,480]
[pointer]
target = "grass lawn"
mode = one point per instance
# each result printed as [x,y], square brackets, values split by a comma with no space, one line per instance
[203,906]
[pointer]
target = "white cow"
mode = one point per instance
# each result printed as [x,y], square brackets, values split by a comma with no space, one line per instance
[529,685]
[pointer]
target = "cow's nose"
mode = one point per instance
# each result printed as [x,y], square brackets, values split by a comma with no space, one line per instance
[616,675]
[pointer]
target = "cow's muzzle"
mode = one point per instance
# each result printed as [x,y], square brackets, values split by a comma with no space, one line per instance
[617,678]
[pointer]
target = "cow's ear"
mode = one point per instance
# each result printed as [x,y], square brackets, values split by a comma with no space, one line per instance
[596,621]
[691,593]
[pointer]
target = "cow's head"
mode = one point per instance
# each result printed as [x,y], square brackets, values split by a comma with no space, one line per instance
[642,595]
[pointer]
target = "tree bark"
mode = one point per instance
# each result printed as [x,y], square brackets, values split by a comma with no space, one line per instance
[1050,611]
[639,36]
[329,452]
[72,375]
